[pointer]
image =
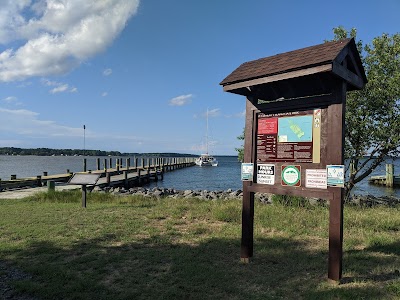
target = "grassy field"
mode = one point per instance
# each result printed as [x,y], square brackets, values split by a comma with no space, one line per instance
[141,248]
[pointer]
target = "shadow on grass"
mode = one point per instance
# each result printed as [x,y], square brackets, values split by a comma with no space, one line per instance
[363,261]
[156,268]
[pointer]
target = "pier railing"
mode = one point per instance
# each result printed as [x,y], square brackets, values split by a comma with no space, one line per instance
[113,171]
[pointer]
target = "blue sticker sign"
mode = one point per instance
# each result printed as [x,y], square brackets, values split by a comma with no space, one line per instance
[335,175]
[247,171]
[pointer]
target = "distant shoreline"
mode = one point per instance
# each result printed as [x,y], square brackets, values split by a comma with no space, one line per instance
[13,151]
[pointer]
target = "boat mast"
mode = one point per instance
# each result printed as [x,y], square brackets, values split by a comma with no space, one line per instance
[207,132]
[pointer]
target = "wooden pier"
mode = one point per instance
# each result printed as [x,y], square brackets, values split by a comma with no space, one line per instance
[133,173]
[389,179]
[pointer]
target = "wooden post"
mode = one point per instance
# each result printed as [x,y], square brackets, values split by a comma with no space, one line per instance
[110,162]
[98,164]
[45,173]
[108,176]
[389,175]
[84,196]
[336,127]
[128,163]
[246,249]
[126,183]
[39,180]
[84,165]
[105,165]
[13,177]
[51,186]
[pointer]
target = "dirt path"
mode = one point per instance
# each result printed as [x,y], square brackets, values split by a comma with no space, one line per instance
[22,193]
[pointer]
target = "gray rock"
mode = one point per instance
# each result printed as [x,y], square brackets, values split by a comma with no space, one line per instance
[158,193]
[187,192]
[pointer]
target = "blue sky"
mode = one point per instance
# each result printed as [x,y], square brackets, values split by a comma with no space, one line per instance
[141,75]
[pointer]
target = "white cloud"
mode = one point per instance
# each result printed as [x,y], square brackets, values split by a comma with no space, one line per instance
[55,36]
[107,72]
[104,94]
[27,123]
[10,99]
[212,113]
[10,143]
[238,115]
[181,100]
[59,87]
[49,83]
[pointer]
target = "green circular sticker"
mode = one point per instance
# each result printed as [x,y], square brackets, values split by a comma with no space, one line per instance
[290,175]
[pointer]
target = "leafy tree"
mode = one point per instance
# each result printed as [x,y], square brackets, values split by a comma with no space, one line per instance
[240,150]
[373,114]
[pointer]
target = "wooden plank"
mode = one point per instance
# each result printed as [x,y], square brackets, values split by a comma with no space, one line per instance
[297,103]
[342,55]
[278,77]
[347,75]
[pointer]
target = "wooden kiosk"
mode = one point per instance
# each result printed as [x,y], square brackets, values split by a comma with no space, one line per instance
[294,133]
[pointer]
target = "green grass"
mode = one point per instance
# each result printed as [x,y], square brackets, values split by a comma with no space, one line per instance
[144,248]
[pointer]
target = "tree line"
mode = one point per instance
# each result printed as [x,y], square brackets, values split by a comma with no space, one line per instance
[77,152]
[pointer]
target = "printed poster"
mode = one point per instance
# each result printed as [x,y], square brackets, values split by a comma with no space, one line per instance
[289,137]
[266,174]
[316,178]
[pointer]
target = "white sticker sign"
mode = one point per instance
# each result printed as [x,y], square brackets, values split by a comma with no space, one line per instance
[247,171]
[316,178]
[335,175]
[266,174]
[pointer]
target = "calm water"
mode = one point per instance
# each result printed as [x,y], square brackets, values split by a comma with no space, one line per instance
[225,176]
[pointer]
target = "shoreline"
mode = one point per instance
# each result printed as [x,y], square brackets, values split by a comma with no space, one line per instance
[156,192]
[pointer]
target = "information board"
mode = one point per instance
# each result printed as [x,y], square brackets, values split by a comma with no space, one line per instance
[84,179]
[289,137]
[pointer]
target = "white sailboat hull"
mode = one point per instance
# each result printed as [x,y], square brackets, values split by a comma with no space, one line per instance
[206,160]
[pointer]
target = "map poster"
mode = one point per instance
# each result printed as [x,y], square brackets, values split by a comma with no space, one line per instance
[289,137]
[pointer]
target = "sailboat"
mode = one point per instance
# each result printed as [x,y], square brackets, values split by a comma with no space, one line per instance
[206,159]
